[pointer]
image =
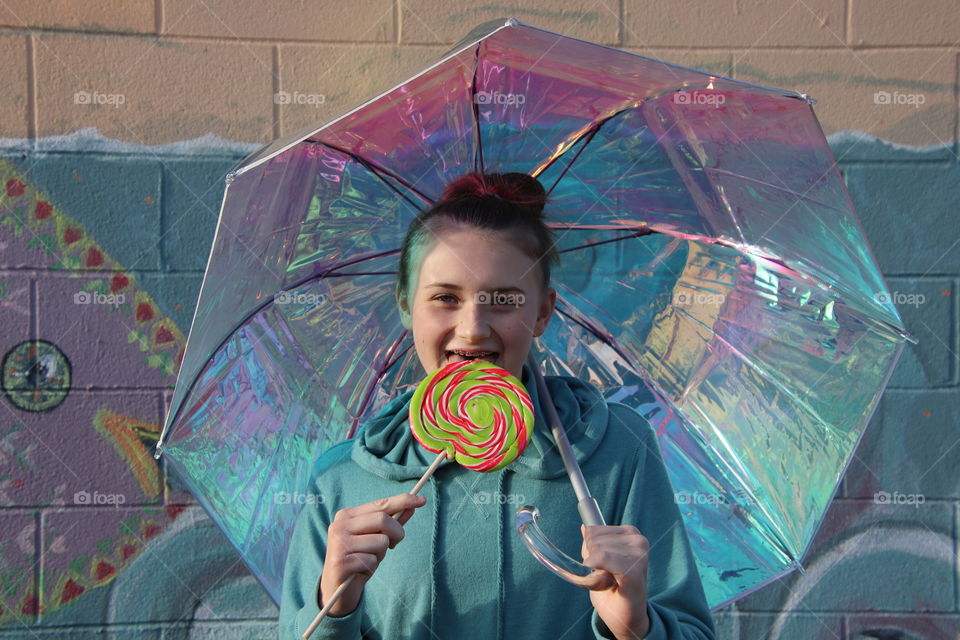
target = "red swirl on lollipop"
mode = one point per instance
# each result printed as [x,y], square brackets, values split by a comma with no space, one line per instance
[473,411]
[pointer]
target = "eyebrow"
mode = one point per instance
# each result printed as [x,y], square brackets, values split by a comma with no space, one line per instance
[455,287]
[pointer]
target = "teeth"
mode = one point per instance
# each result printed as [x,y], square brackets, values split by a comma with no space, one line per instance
[472,355]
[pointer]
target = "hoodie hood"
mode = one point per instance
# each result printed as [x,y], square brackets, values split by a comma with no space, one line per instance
[386,447]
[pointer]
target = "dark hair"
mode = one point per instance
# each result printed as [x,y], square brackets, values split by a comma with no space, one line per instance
[506,202]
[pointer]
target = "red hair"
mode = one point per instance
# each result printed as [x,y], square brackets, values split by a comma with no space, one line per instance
[514,188]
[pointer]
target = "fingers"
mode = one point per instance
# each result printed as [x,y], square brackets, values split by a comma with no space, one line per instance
[621,550]
[403,516]
[613,536]
[364,553]
[599,531]
[359,536]
[391,505]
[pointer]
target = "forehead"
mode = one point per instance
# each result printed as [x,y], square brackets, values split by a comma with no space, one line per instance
[470,256]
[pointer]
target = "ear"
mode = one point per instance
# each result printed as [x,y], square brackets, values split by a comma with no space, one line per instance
[545,312]
[404,310]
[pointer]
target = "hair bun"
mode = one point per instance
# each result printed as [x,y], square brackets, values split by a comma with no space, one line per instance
[519,189]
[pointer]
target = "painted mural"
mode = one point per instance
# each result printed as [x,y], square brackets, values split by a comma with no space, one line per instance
[44,378]
[93,330]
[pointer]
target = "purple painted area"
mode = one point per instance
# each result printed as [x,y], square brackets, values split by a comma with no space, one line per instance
[53,456]
[18,532]
[73,533]
[91,545]
[94,334]
[14,307]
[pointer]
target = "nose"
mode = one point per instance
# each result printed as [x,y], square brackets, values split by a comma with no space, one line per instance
[472,323]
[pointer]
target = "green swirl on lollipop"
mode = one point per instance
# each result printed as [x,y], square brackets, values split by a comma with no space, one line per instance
[476,412]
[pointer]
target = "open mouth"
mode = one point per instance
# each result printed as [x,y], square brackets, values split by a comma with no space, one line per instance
[460,355]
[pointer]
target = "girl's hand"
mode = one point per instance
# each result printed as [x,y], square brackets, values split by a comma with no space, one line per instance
[357,541]
[622,551]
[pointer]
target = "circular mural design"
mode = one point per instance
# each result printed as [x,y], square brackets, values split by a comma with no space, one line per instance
[35,376]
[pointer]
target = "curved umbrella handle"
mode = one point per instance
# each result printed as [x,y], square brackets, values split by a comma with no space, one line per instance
[537,542]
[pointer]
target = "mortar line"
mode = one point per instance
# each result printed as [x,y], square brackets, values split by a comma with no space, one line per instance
[956,103]
[955,338]
[161,207]
[397,22]
[277,125]
[621,30]
[956,582]
[848,18]
[158,17]
[32,117]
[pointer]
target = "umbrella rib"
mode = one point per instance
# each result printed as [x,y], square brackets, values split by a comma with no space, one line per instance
[478,156]
[377,170]
[637,234]
[606,338]
[589,135]
[380,372]
[330,270]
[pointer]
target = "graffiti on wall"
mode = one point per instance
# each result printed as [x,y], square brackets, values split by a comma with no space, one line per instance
[66,439]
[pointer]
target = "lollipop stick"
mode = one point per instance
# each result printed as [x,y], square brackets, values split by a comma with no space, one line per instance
[346,583]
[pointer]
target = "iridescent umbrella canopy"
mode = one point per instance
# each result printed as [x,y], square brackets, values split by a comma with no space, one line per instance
[714,276]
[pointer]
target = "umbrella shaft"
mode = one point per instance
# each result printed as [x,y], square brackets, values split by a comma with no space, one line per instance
[586,505]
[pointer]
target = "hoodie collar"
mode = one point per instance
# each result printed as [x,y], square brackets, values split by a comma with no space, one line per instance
[386,447]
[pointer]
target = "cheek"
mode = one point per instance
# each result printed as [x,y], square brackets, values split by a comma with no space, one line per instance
[518,329]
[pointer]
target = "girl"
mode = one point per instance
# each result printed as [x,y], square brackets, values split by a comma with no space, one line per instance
[474,283]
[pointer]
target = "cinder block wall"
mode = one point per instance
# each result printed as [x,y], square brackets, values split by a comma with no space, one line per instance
[119,120]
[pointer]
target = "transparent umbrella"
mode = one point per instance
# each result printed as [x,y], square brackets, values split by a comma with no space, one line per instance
[714,276]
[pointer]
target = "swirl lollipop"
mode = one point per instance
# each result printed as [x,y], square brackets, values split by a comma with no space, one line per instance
[475,412]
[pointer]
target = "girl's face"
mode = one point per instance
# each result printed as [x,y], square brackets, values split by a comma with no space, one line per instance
[477,296]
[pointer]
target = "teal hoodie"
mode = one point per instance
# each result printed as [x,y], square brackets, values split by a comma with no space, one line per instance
[461,569]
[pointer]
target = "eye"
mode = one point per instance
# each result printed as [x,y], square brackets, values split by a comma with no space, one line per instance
[445,297]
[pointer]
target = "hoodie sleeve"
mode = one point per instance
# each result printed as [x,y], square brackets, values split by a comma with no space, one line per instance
[301,583]
[676,603]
